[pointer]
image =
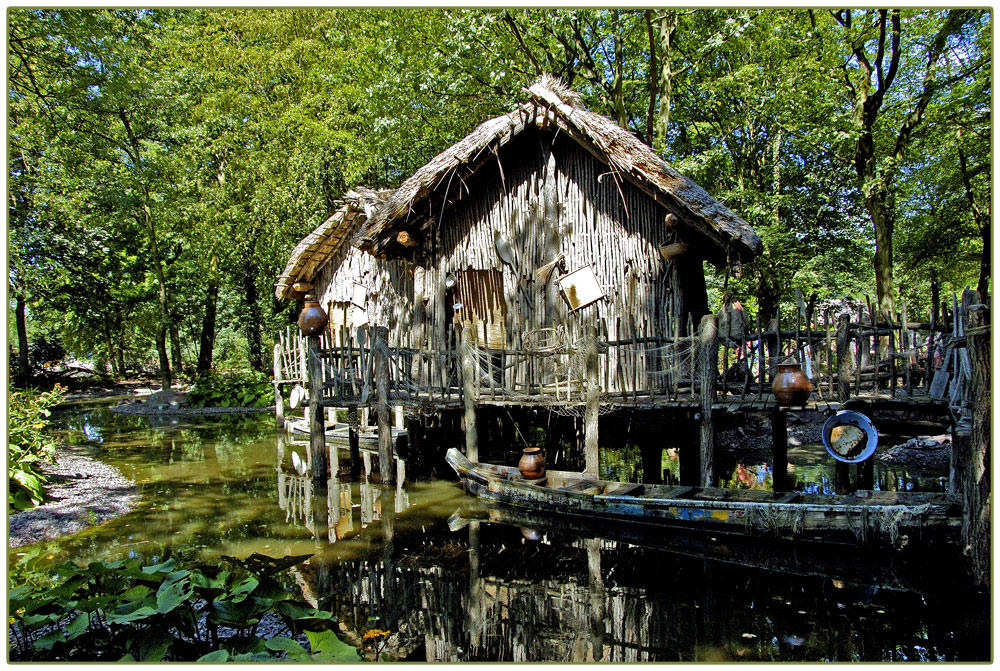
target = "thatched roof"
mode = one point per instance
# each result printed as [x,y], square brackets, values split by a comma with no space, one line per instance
[314,250]
[552,104]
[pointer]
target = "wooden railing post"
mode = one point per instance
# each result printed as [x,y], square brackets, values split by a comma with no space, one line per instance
[708,360]
[469,393]
[387,470]
[591,451]
[279,398]
[317,427]
[843,357]
[971,447]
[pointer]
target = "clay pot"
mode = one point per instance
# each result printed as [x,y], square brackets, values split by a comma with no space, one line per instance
[312,319]
[532,463]
[791,386]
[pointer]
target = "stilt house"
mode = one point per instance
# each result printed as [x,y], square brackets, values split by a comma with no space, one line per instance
[550,245]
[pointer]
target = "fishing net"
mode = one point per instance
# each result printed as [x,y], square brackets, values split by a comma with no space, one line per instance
[875,522]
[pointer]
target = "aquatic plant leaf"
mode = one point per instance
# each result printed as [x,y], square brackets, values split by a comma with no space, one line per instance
[78,625]
[173,592]
[262,565]
[287,645]
[50,639]
[214,656]
[244,588]
[327,646]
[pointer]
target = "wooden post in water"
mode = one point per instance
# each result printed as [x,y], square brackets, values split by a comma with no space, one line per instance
[591,451]
[469,393]
[317,428]
[354,440]
[708,365]
[279,399]
[387,470]
[779,449]
[842,473]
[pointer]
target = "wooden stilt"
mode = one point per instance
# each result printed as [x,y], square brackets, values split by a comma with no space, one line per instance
[469,393]
[279,399]
[591,451]
[690,468]
[353,440]
[317,437]
[841,477]
[779,449]
[386,468]
[708,365]
[866,474]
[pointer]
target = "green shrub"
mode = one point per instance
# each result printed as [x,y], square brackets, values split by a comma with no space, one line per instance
[28,447]
[124,611]
[231,389]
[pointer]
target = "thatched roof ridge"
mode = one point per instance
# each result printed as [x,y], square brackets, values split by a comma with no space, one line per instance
[314,250]
[552,103]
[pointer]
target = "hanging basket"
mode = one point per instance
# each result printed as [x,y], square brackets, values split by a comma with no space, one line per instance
[672,250]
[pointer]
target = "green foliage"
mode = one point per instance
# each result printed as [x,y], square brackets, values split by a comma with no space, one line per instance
[125,611]
[28,447]
[247,389]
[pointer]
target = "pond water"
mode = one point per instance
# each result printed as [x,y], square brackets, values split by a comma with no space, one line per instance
[455,581]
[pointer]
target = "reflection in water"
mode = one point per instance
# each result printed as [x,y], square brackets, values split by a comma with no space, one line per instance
[492,587]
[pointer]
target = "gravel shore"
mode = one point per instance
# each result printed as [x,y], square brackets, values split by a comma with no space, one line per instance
[83,491]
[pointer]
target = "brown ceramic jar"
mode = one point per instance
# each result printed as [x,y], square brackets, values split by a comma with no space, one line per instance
[791,386]
[312,319]
[532,463]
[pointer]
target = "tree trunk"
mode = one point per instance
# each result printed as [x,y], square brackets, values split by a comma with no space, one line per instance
[983,285]
[23,356]
[668,22]
[175,345]
[254,318]
[115,371]
[207,341]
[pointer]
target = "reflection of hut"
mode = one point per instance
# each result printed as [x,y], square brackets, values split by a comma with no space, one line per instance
[541,229]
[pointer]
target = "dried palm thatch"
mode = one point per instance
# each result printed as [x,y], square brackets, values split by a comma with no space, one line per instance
[314,250]
[551,104]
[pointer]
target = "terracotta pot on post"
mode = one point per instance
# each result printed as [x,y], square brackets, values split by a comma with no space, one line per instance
[532,463]
[791,386]
[312,319]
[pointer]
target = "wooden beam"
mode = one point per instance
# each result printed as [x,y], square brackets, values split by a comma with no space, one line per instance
[279,399]
[386,467]
[708,365]
[317,425]
[469,393]
[779,450]
[591,450]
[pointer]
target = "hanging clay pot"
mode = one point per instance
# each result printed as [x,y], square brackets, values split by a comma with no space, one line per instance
[312,319]
[791,386]
[532,463]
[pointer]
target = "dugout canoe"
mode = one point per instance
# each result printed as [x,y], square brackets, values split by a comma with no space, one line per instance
[861,518]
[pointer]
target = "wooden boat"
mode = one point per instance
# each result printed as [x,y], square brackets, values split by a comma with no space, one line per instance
[864,517]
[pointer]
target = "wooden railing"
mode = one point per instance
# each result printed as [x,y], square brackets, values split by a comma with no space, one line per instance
[845,355]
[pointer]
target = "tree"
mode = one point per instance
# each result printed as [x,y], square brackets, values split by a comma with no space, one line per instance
[881,71]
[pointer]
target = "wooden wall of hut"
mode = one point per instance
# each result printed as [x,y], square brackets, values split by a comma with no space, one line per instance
[387,291]
[544,194]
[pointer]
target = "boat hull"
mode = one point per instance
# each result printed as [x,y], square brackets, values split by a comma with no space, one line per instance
[878,518]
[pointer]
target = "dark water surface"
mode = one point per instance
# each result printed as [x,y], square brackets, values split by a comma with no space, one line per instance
[454,580]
